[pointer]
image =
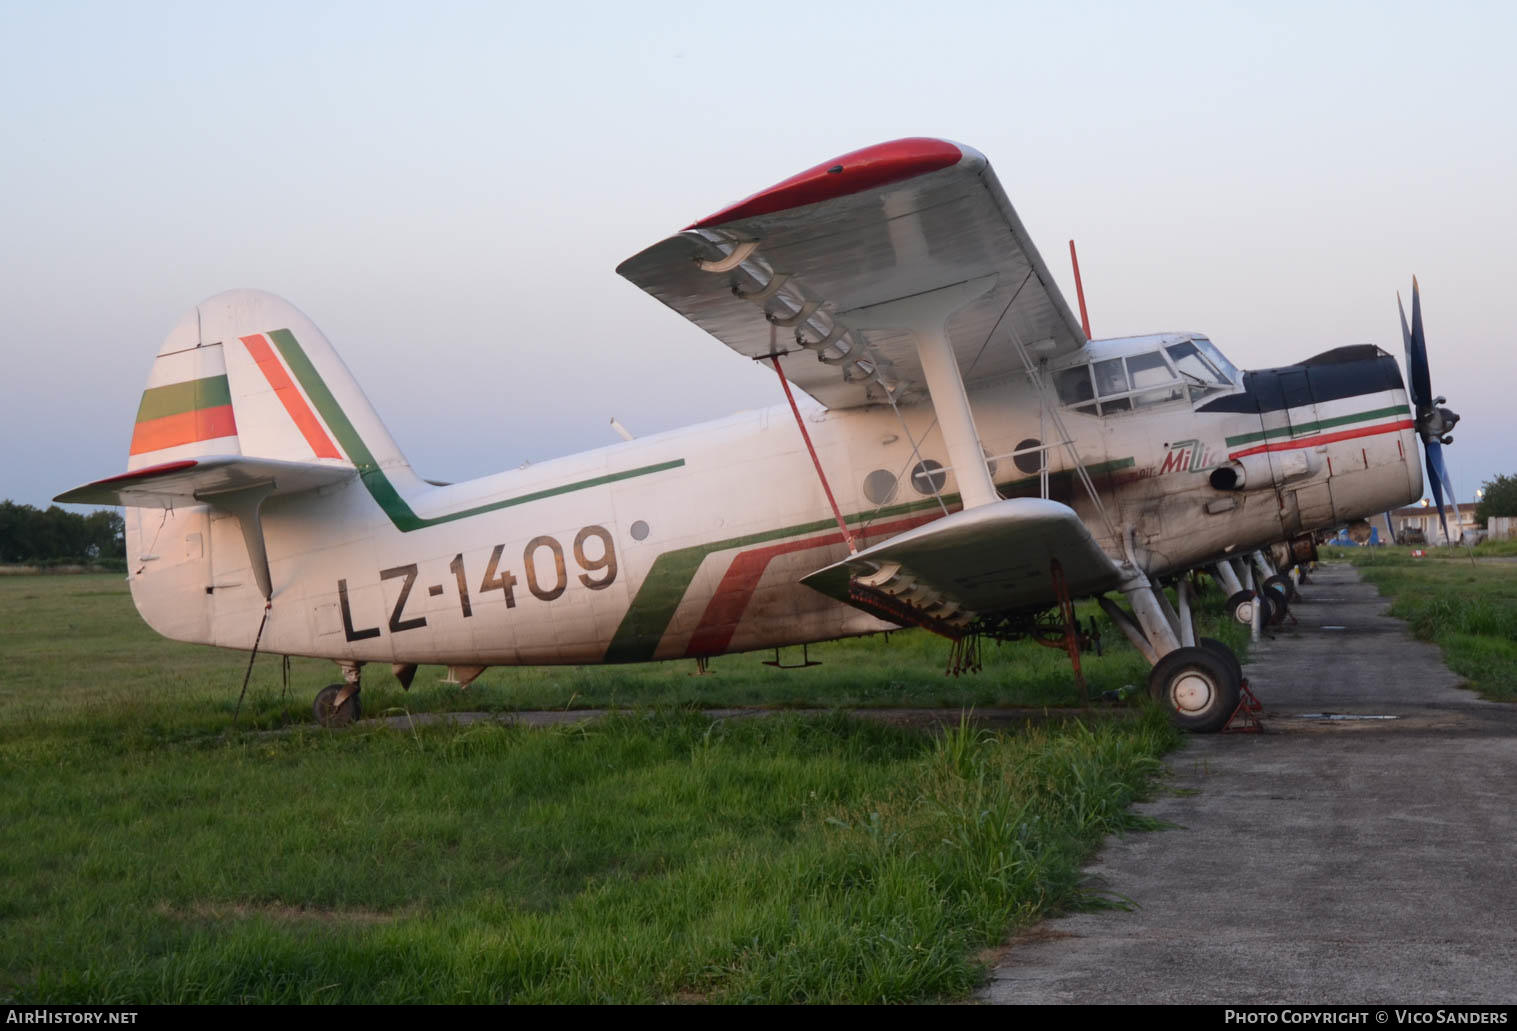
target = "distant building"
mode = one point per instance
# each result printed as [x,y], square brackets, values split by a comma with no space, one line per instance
[1416,519]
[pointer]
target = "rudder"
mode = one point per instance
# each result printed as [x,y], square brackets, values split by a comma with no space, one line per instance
[246,373]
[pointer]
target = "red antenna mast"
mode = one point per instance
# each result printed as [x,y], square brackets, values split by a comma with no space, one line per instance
[1079,290]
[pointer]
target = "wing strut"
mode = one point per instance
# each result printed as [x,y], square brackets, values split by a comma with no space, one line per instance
[800,423]
[926,315]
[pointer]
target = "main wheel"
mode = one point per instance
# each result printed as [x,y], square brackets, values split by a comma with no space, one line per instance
[1197,687]
[330,714]
[1278,606]
[1227,655]
[1284,583]
[1240,608]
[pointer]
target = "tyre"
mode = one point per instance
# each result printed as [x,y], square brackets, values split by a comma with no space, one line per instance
[1278,606]
[1283,583]
[1197,688]
[1240,608]
[330,715]
[1229,656]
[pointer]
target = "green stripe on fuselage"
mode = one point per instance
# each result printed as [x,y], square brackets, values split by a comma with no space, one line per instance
[178,398]
[374,478]
[1306,428]
[662,590]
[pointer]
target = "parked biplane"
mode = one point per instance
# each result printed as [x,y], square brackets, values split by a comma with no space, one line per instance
[977,461]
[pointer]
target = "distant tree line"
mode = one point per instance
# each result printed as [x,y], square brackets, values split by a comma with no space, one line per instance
[31,536]
[1499,498]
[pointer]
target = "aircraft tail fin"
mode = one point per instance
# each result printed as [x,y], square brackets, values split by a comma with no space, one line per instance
[246,373]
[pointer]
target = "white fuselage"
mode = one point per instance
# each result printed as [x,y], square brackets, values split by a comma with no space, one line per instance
[692,542]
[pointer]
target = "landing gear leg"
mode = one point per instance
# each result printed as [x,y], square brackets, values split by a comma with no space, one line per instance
[1197,686]
[337,705]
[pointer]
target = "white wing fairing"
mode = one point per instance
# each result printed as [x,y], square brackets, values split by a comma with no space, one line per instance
[784,269]
[989,560]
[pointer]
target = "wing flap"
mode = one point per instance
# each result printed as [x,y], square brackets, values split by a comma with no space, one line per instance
[784,268]
[991,559]
[190,482]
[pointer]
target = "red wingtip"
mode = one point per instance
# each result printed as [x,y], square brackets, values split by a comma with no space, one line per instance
[879,165]
[146,471]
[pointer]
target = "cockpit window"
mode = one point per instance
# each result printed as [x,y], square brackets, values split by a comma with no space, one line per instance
[1195,366]
[1152,381]
[1110,378]
[1230,373]
[1075,388]
[1191,368]
[1148,370]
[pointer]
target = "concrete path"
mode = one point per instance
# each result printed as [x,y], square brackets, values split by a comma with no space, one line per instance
[1325,861]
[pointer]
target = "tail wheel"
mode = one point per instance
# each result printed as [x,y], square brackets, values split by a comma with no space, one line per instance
[1197,688]
[330,714]
[1240,608]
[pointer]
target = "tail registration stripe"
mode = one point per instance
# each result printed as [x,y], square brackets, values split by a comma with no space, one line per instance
[1325,438]
[290,397]
[184,428]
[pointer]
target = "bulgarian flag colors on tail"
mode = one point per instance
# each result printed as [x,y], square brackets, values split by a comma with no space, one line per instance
[183,413]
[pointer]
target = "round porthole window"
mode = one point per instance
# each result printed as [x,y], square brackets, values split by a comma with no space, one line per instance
[1032,461]
[928,477]
[639,530]
[879,486]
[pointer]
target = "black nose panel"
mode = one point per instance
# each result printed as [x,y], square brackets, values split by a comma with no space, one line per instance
[1340,373]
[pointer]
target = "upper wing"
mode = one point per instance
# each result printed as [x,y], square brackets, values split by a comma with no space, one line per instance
[982,561]
[785,267]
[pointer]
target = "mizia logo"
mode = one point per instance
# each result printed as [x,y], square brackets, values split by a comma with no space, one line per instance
[1187,456]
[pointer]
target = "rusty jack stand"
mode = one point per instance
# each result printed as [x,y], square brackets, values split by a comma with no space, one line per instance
[1245,719]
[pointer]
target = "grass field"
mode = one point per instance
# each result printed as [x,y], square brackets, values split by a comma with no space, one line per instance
[152,853]
[1468,608]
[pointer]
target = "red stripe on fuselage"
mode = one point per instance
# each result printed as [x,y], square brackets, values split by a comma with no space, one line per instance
[719,621]
[290,397]
[1325,438]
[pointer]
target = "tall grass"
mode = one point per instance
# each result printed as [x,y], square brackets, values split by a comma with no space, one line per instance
[149,852]
[1470,611]
[657,857]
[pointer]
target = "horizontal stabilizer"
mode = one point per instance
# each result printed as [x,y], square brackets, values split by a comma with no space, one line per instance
[987,560]
[192,481]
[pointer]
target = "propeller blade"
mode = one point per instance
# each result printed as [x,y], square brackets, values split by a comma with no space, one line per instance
[1422,386]
[1406,335]
[1438,475]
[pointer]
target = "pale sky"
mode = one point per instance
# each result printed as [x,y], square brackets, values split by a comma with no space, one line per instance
[447,188]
